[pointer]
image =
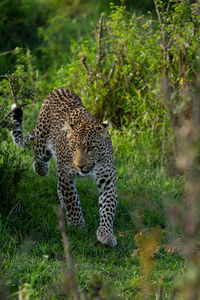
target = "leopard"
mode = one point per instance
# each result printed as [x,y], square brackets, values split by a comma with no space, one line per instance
[81,146]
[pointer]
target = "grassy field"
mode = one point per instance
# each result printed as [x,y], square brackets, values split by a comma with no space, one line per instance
[32,256]
[141,74]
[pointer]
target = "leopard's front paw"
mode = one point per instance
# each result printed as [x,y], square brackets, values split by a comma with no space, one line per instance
[105,237]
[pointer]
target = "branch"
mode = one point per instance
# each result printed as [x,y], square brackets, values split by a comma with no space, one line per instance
[12,89]
[17,106]
[161,24]
[110,73]
[83,60]
[167,10]
[166,45]
[31,66]
[172,38]
[159,294]
[10,79]
[6,52]
[166,84]
[61,227]
[100,55]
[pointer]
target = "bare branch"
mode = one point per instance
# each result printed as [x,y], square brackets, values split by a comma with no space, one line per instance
[100,32]
[159,294]
[83,60]
[11,79]
[167,9]
[172,38]
[61,227]
[167,90]
[17,106]
[161,24]
[12,89]
[110,73]
[31,66]
[166,45]
[6,52]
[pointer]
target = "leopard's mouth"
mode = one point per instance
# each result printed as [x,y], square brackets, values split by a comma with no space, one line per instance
[84,170]
[85,173]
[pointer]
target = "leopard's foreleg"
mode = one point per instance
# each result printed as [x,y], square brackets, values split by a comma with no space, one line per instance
[69,199]
[105,178]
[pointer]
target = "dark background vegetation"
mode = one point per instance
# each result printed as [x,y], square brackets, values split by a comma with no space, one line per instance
[135,63]
[47,27]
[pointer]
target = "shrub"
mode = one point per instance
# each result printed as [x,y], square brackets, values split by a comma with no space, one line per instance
[113,71]
[20,88]
[119,71]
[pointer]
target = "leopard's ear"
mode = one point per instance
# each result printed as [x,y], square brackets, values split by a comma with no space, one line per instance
[69,128]
[105,126]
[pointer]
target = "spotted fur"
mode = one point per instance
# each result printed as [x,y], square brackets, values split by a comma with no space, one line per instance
[82,146]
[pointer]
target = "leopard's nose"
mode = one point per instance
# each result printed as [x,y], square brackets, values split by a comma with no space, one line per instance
[80,167]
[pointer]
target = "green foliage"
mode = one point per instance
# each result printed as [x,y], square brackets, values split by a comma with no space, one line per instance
[47,27]
[118,72]
[179,32]
[19,88]
[118,69]
[113,72]
[19,21]
[61,28]
[31,242]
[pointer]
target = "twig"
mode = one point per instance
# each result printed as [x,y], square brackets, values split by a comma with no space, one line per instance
[83,60]
[159,294]
[167,10]
[100,32]
[110,73]
[31,66]
[161,24]
[7,52]
[166,45]
[61,227]
[171,40]
[167,89]
[15,98]
[10,82]
[17,106]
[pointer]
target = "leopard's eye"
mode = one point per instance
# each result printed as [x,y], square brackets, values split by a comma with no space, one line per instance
[90,149]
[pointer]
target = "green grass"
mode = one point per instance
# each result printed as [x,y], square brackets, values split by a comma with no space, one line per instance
[32,255]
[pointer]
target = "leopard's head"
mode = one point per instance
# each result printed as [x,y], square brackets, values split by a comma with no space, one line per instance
[88,144]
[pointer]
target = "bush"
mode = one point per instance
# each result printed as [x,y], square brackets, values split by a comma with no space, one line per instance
[118,72]
[113,72]
[21,88]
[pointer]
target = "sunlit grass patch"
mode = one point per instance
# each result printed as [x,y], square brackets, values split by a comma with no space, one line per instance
[32,251]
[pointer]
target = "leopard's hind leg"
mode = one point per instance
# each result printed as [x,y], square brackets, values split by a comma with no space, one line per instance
[41,168]
[42,150]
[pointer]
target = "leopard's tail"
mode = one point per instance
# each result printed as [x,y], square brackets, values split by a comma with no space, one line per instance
[17,133]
